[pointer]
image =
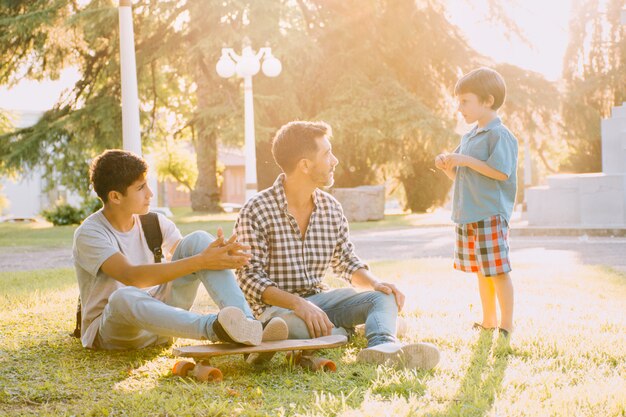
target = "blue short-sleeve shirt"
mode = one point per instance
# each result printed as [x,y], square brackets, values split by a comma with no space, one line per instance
[477,197]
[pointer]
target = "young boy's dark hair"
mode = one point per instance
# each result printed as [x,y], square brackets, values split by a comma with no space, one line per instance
[115,170]
[483,82]
[296,140]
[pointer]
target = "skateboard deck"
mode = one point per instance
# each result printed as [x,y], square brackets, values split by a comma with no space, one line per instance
[300,350]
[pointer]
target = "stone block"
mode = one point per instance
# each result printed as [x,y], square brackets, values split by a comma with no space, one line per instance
[564,181]
[614,146]
[603,200]
[553,207]
[362,203]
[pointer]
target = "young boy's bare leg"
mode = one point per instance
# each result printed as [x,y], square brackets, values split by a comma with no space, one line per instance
[487,292]
[506,300]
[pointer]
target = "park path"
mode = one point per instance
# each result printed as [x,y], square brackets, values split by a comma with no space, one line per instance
[374,245]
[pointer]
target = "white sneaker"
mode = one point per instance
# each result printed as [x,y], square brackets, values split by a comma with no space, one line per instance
[423,356]
[275,329]
[232,326]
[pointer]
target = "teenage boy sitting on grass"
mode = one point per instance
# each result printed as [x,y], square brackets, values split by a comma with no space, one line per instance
[128,300]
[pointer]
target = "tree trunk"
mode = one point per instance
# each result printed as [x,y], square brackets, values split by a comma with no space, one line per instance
[205,195]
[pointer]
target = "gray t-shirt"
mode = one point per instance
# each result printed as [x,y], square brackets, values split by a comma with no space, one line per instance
[95,241]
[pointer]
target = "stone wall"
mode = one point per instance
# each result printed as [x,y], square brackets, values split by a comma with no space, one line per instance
[362,203]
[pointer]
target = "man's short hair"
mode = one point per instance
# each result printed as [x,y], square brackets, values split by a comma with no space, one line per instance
[295,141]
[115,170]
[483,82]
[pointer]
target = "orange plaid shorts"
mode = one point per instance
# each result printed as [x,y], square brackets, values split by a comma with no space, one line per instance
[483,246]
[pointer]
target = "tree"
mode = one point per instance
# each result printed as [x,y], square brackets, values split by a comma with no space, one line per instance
[595,76]
[181,97]
[379,71]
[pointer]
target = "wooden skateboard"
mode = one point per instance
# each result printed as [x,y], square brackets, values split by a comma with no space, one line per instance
[299,353]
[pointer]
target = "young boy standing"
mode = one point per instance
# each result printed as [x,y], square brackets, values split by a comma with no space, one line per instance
[483,168]
[128,300]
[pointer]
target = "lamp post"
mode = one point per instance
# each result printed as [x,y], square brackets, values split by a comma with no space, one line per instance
[246,66]
[131,130]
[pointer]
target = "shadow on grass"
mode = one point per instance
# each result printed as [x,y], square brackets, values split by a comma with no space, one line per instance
[483,379]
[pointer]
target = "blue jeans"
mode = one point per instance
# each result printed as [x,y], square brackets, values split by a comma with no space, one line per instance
[136,318]
[346,308]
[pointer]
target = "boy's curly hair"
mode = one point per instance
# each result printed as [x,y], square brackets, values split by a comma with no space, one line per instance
[483,82]
[115,170]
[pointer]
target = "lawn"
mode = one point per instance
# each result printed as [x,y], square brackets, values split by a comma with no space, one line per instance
[566,358]
[44,235]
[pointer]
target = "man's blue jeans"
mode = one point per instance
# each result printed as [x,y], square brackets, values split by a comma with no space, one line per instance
[136,318]
[346,308]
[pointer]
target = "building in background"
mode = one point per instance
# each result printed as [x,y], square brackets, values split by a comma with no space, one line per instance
[232,193]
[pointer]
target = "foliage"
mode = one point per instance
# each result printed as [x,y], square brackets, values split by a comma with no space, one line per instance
[90,205]
[595,76]
[4,203]
[63,214]
[379,71]
[175,163]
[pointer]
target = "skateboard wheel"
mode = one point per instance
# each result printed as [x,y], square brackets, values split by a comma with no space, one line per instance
[318,364]
[207,373]
[182,368]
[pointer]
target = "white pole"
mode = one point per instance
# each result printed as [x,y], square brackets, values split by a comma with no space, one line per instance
[131,132]
[250,148]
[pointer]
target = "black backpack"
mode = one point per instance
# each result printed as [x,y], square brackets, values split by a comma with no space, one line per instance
[154,238]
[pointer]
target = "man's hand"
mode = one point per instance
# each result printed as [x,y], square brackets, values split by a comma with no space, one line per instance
[316,320]
[388,288]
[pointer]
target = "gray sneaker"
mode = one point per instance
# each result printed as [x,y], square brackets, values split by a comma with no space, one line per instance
[232,326]
[423,356]
[275,329]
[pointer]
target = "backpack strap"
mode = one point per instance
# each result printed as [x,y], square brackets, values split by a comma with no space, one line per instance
[76,332]
[154,238]
[152,232]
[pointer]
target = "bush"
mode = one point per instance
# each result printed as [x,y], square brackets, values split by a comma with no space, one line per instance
[63,214]
[91,205]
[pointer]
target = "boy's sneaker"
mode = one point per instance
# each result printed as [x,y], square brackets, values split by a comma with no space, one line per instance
[232,326]
[424,356]
[275,329]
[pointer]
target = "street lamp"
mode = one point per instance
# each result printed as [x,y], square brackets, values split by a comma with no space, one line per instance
[131,130]
[246,66]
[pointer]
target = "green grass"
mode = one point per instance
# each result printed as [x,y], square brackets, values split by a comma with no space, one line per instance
[44,235]
[567,356]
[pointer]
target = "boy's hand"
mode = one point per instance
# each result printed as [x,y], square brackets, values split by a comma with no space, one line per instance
[228,256]
[225,254]
[440,161]
[454,160]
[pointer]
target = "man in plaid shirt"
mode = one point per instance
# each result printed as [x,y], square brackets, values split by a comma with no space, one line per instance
[296,231]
